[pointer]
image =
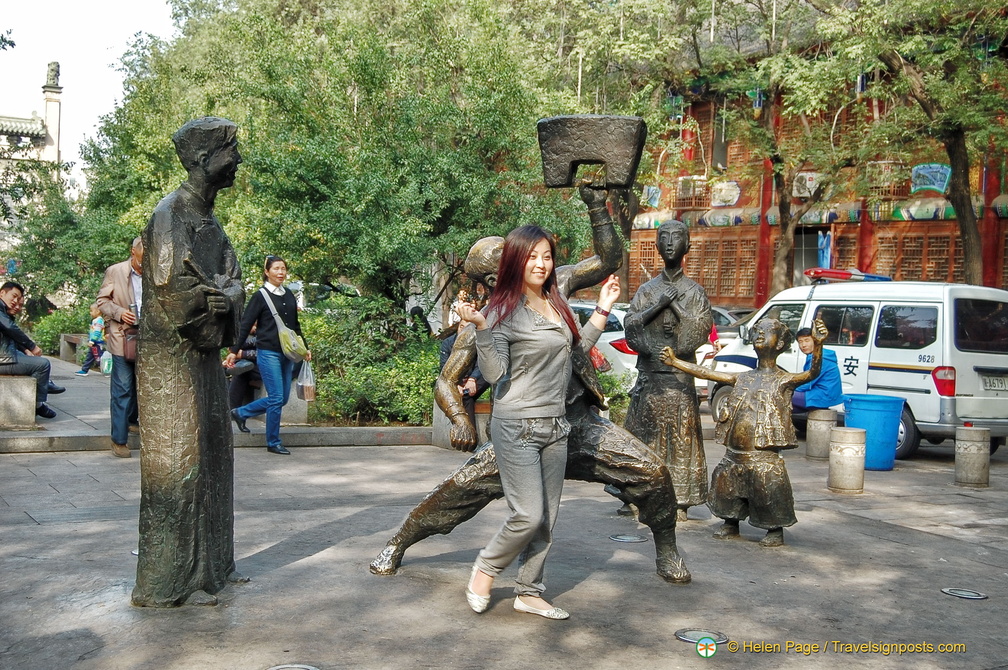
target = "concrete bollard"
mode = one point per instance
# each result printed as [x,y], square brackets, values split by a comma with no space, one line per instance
[846,460]
[817,433]
[972,457]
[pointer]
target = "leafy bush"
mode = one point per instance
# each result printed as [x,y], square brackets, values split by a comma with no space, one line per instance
[46,330]
[369,363]
[615,388]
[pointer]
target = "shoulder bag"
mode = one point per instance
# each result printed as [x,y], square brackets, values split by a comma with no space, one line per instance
[292,345]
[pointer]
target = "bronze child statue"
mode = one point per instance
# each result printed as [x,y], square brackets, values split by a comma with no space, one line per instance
[754,424]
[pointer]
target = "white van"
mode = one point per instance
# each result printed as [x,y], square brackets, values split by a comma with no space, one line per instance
[942,347]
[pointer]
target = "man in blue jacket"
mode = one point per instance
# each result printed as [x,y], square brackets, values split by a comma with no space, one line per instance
[825,390]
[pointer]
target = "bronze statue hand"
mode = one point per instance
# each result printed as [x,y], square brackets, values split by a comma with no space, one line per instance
[819,331]
[216,303]
[668,356]
[669,295]
[462,434]
[469,314]
[592,196]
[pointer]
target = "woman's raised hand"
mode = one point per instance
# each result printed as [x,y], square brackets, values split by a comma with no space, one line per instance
[469,314]
[609,293]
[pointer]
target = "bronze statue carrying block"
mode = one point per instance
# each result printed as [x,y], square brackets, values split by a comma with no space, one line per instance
[586,139]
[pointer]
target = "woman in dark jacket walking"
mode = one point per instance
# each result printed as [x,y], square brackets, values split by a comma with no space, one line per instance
[275,368]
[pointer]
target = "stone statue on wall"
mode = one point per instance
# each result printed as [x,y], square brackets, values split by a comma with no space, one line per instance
[192,302]
[670,310]
[754,424]
[52,77]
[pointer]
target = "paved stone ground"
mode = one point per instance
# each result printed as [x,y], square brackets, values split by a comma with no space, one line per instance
[856,569]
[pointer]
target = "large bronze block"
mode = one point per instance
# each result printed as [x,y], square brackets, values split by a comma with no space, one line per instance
[567,142]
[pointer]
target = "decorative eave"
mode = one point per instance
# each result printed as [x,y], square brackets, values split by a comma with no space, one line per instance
[13,126]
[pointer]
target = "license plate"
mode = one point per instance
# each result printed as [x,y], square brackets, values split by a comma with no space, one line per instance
[994,383]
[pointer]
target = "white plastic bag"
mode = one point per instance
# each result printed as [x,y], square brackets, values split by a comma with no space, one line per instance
[105,363]
[306,383]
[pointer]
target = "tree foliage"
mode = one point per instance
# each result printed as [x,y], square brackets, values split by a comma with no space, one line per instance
[378,138]
[941,67]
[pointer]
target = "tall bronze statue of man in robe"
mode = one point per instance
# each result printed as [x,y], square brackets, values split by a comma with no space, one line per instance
[670,310]
[192,302]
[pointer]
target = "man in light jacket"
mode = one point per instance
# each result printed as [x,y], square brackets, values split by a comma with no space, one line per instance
[119,302]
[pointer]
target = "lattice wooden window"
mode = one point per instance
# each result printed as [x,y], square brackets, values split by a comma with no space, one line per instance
[729,267]
[692,193]
[845,249]
[747,268]
[886,253]
[738,154]
[1004,257]
[910,258]
[936,263]
[644,259]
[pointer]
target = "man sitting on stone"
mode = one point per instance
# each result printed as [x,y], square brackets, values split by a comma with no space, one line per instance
[19,356]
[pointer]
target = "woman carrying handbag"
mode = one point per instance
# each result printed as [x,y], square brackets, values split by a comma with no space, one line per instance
[273,310]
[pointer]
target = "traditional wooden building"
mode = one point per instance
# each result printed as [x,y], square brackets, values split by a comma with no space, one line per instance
[904,227]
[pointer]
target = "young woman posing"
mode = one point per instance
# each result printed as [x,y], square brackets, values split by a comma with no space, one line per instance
[524,349]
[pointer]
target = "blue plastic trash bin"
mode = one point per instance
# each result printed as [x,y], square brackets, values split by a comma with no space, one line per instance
[879,415]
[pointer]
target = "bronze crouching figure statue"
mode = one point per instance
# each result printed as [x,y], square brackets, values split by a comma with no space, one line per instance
[598,450]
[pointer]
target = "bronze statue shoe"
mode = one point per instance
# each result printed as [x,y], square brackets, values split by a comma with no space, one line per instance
[388,561]
[773,538]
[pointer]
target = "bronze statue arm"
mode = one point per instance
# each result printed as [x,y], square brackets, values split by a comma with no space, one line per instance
[668,357]
[819,333]
[446,393]
[605,242]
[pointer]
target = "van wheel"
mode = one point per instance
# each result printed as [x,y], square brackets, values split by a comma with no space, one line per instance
[717,399]
[908,438]
[995,443]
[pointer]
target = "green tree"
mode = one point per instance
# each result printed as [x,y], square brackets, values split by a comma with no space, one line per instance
[949,61]
[378,137]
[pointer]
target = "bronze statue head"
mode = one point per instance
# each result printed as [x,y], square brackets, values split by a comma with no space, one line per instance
[483,260]
[209,145]
[771,336]
[672,242]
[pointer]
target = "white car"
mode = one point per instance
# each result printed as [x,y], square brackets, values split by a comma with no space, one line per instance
[612,342]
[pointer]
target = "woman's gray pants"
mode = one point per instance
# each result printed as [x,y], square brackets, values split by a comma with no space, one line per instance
[532,458]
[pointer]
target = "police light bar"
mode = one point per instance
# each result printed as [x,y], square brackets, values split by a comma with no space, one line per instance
[827,274]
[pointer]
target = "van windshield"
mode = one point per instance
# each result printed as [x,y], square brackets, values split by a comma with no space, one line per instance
[981,325]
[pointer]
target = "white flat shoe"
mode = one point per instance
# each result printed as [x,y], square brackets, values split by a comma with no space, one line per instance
[555,613]
[478,603]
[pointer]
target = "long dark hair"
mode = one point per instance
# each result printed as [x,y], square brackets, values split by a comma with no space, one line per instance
[510,286]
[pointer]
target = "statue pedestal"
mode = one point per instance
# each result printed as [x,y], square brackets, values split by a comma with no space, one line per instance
[442,426]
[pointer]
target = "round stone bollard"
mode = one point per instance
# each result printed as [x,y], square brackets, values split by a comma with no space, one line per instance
[846,460]
[972,456]
[817,434]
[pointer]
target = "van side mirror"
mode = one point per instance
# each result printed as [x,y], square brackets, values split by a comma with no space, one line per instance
[743,333]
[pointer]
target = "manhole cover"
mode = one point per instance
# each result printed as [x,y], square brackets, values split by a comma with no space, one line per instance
[965,593]
[628,538]
[694,635]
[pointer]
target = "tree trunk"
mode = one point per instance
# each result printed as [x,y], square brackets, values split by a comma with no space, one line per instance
[783,259]
[959,196]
